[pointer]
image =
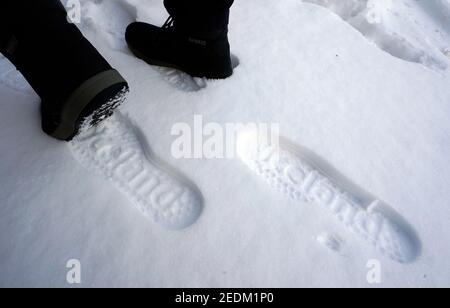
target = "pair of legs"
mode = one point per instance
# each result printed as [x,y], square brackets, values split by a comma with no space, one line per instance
[76,84]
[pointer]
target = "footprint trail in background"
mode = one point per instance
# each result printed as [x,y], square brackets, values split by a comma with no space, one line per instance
[367,17]
[117,150]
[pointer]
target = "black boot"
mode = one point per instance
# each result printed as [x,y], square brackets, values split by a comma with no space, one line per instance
[76,84]
[194,39]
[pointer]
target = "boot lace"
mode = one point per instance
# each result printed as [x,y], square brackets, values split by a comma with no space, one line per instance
[169,24]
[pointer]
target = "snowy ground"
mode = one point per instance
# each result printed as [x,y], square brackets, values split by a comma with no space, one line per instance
[362,84]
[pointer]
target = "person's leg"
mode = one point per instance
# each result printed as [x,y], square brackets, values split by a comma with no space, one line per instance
[72,79]
[204,18]
[5,25]
[194,40]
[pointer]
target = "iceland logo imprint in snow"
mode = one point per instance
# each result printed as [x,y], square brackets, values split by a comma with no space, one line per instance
[301,175]
[117,150]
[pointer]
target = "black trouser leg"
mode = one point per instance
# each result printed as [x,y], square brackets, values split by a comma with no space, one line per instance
[51,53]
[72,79]
[198,5]
[203,18]
[5,26]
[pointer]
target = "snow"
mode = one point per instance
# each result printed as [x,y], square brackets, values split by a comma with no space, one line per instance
[329,241]
[361,84]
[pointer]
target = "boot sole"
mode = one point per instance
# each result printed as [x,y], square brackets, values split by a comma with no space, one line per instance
[154,62]
[82,105]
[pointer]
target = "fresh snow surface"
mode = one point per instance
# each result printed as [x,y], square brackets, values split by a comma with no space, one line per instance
[360,89]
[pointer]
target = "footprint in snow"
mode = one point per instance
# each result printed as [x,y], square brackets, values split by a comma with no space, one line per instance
[367,16]
[118,151]
[305,177]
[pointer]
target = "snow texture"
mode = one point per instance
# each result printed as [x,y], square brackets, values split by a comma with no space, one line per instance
[360,90]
